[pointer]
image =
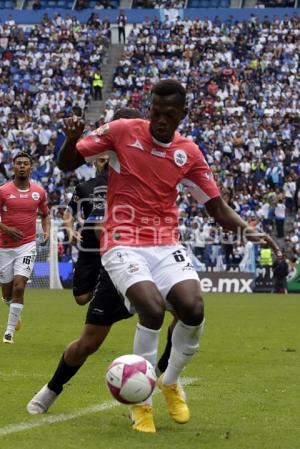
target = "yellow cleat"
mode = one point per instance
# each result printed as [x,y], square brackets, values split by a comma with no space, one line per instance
[7,338]
[19,325]
[142,418]
[177,406]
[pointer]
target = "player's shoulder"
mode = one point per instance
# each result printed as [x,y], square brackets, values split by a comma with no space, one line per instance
[7,187]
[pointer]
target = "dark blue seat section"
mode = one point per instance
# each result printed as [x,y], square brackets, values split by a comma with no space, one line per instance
[51,4]
[7,4]
[63,4]
[208,4]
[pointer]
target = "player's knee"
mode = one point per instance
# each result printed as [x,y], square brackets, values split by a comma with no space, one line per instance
[18,289]
[82,299]
[153,317]
[192,311]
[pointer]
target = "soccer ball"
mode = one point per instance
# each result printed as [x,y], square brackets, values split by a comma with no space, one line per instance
[130,379]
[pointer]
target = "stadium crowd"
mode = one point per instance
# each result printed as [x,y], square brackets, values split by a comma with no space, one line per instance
[243,88]
[242,80]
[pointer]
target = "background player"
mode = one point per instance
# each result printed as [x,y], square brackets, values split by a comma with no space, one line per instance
[88,204]
[20,201]
[140,245]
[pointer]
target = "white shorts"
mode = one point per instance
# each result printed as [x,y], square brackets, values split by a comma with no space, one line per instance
[163,265]
[17,261]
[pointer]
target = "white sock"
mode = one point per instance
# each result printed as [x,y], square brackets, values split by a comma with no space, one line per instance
[6,301]
[15,310]
[146,345]
[185,342]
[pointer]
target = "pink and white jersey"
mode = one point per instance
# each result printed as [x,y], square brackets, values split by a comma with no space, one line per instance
[18,209]
[143,179]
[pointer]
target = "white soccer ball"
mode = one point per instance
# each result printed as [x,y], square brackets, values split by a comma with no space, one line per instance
[130,379]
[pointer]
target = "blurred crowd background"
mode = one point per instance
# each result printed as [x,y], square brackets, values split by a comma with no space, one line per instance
[243,85]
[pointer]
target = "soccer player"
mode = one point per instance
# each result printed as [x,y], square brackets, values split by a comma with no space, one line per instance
[20,202]
[105,299]
[88,204]
[141,254]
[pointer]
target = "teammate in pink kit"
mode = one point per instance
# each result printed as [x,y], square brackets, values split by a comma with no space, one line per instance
[20,201]
[141,253]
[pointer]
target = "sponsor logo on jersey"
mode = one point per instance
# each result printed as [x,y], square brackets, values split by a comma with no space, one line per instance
[23,195]
[188,266]
[102,130]
[11,196]
[158,153]
[35,196]
[180,157]
[133,268]
[137,144]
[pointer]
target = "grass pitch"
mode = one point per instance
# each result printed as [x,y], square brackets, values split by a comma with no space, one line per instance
[245,391]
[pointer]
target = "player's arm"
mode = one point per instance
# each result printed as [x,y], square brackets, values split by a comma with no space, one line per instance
[45,217]
[68,157]
[230,220]
[46,224]
[71,214]
[203,187]
[12,232]
[73,235]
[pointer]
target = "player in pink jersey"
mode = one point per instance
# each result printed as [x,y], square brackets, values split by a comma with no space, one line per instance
[140,243]
[20,201]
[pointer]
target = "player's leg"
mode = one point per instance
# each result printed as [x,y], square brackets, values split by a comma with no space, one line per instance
[6,274]
[85,275]
[7,289]
[23,263]
[15,307]
[180,285]
[185,342]
[164,358]
[104,309]
[129,271]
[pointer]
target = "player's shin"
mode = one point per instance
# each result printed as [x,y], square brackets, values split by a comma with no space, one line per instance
[15,310]
[185,342]
[146,344]
[62,375]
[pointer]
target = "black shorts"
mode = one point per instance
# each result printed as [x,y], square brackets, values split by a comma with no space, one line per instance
[106,306]
[86,272]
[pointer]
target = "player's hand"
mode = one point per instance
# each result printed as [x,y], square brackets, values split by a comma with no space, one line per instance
[45,238]
[260,237]
[14,233]
[74,237]
[73,127]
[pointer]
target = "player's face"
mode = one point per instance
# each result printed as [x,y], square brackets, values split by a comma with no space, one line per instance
[22,168]
[165,116]
[100,162]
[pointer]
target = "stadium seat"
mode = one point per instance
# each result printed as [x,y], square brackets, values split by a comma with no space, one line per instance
[9,4]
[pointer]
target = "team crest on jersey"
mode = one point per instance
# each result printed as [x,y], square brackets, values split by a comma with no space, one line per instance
[180,157]
[133,268]
[102,130]
[35,196]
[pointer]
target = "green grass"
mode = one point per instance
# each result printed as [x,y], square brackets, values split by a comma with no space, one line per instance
[246,396]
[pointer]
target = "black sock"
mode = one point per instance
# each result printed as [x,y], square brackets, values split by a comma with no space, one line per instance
[63,373]
[163,361]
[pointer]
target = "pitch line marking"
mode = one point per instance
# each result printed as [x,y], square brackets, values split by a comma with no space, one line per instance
[15,428]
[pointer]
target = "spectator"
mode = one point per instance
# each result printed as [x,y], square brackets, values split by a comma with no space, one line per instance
[97,84]
[121,22]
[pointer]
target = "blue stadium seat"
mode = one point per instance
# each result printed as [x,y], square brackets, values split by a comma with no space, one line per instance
[9,4]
